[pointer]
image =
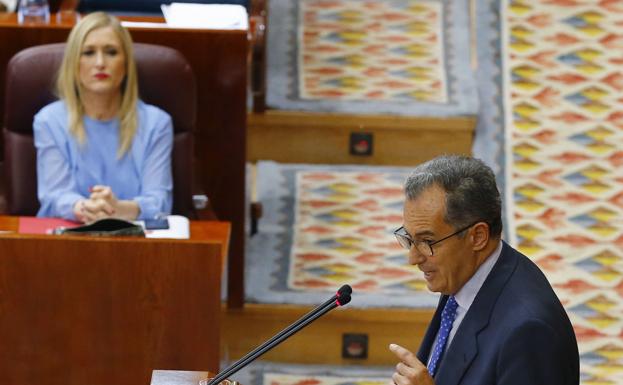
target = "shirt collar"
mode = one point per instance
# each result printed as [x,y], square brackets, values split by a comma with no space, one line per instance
[467,294]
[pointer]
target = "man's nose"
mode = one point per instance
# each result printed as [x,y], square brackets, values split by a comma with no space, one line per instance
[415,257]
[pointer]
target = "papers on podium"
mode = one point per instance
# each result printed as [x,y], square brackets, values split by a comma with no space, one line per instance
[205,16]
[179,228]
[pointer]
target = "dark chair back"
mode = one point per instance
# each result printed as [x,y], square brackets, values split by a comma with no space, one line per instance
[165,80]
[143,7]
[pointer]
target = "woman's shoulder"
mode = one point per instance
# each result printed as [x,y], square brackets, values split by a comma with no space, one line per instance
[153,122]
[151,112]
[52,112]
[51,119]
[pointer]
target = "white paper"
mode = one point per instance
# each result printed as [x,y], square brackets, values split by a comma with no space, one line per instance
[143,24]
[179,228]
[206,16]
[11,5]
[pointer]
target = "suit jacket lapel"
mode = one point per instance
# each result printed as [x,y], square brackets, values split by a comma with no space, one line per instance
[431,332]
[464,346]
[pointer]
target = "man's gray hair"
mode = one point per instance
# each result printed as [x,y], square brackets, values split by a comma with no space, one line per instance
[472,194]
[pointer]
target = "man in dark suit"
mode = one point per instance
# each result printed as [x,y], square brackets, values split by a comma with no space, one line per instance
[498,320]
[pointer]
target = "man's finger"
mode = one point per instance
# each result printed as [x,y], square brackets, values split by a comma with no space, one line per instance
[399,379]
[409,371]
[405,356]
[405,370]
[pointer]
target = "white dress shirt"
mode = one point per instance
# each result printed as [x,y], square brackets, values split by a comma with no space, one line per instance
[466,295]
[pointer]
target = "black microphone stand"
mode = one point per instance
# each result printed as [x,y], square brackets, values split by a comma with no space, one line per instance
[329,305]
[344,289]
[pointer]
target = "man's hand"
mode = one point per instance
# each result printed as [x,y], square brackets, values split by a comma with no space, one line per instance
[409,371]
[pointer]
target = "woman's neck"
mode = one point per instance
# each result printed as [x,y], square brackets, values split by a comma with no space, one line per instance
[101,107]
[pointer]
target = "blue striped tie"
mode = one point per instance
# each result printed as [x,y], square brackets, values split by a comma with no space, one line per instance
[447,318]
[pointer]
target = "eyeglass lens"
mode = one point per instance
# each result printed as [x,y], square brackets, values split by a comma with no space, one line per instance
[405,241]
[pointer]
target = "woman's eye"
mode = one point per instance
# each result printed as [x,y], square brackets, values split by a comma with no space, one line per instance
[111,52]
[88,52]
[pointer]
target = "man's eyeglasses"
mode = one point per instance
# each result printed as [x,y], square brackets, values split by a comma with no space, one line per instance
[424,247]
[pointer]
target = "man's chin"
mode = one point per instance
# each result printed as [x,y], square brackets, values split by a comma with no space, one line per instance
[436,288]
[431,287]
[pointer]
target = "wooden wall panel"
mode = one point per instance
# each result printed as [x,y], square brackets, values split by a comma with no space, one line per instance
[298,137]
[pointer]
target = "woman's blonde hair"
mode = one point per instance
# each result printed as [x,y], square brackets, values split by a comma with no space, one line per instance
[70,90]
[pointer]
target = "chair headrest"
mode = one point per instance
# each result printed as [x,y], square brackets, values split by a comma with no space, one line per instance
[165,80]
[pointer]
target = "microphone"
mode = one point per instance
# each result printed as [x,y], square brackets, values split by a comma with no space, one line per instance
[341,298]
[344,289]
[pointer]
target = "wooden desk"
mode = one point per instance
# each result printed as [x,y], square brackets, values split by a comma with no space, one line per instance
[83,310]
[218,59]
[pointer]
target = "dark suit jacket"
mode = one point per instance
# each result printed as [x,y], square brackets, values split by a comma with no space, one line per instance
[515,332]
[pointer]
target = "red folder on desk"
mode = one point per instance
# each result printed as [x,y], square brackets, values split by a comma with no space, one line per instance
[35,225]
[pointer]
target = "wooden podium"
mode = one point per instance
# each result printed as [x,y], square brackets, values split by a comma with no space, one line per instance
[91,310]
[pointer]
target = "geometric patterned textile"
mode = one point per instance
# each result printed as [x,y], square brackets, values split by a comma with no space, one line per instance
[343,231]
[563,92]
[325,226]
[268,373]
[299,379]
[399,57]
[262,372]
[372,49]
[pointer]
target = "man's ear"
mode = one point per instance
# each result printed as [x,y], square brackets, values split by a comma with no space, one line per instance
[480,236]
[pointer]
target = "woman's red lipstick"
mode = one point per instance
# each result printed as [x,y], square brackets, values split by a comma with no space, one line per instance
[102,76]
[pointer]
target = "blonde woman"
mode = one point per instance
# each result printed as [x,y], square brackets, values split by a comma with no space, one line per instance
[102,152]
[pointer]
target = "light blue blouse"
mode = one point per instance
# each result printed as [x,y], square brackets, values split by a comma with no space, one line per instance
[66,170]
